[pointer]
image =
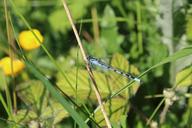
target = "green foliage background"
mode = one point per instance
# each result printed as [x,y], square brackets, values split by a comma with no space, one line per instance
[131,34]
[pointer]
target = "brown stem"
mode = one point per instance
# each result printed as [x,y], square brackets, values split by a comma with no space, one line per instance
[94,85]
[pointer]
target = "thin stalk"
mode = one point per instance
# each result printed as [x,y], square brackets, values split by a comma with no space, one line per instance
[9,40]
[139,28]
[5,105]
[94,85]
[95,24]
[155,111]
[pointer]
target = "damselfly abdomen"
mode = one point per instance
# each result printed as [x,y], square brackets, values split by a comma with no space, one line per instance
[101,64]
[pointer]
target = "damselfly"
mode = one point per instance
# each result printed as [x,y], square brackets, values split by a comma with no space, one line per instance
[101,64]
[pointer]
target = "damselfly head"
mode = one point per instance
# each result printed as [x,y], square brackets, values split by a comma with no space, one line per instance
[90,58]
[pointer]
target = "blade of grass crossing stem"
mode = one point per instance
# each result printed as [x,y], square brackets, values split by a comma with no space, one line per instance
[57,95]
[177,55]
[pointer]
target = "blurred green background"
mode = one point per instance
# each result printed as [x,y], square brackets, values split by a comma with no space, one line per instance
[133,35]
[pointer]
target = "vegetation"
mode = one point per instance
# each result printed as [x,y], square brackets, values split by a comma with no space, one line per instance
[44,80]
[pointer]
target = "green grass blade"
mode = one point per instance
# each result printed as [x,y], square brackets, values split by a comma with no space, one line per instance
[177,55]
[57,95]
[5,105]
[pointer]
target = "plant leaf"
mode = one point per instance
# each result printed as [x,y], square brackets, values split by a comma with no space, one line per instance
[59,15]
[110,38]
[57,95]
[24,116]
[54,112]
[184,77]
[31,93]
[114,108]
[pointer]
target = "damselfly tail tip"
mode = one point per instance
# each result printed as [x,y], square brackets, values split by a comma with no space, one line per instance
[137,80]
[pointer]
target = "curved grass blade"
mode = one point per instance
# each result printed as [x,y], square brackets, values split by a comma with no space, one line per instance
[177,55]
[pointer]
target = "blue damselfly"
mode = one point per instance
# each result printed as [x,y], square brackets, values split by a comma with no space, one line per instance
[101,64]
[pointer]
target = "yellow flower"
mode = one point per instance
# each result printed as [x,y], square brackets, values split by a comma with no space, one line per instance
[29,41]
[11,66]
